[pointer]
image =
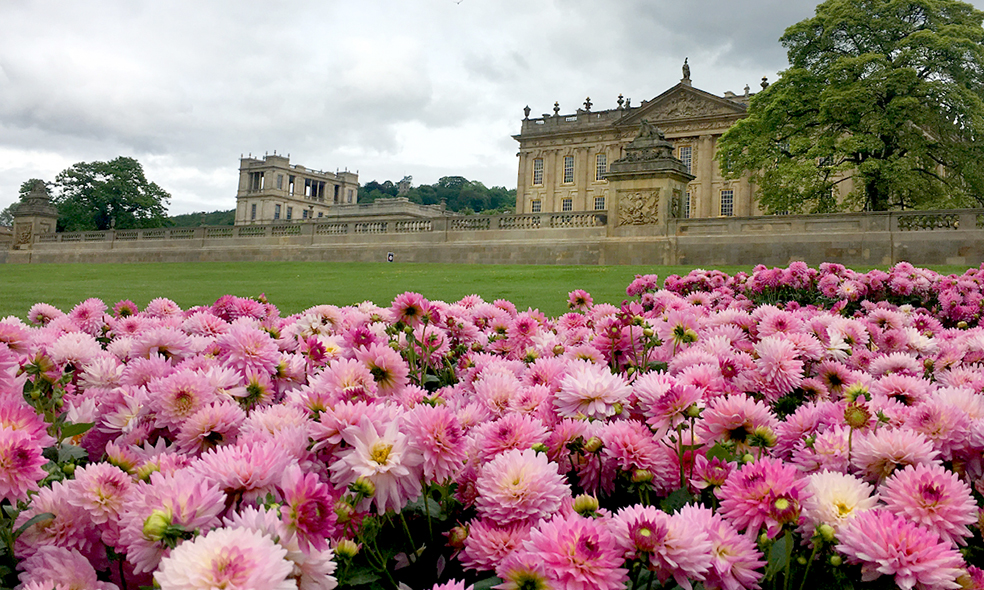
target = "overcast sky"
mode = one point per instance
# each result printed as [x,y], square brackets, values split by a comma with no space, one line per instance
[428,88]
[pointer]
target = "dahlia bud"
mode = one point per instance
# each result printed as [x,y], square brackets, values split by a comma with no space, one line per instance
[586,505]
[693,411]
[642,476]
[826,532]
[648,332]
[856,415]
[344,511]
[762,437]
[836,560]
[593,445]
[156,525]
[363,487]
[558,350]
[540,448]
[856,390]
[346,549]
[457,536]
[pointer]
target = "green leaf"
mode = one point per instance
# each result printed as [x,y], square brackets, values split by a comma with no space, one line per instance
[676,500]
[487,583]
[70,430]
[33,520]
[779,555]
[417,507]
[362,578]
[67,453]
[721,452]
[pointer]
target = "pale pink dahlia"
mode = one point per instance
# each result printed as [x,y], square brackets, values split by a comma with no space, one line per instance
[592,391]
[934,497]
[214,425]
[522,570]
[57,567]
[736,559]
[453,585]
[245,347]
[669,545]
[227,558]
[834,499]
[578,554]
[519,485]
[388,460]
[101,489]
[883,451]
[251,470]
[388,368]
[888,544]
[178,396]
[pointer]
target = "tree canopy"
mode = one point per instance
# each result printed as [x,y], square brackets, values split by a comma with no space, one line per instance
[104,195]
[886,93]
[458,192]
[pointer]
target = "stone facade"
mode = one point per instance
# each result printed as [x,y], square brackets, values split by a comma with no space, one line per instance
[272,190]
[564,159]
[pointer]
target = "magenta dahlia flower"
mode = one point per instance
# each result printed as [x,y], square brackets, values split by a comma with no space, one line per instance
[766,492]
[578,553]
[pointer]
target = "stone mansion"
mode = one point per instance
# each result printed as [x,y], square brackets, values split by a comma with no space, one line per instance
[564,159]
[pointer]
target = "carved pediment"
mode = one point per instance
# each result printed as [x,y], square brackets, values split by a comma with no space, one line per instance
[684,103]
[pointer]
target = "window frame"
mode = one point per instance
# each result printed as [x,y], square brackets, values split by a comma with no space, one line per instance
[536,206]
[602,200]
[568,170]
[730,193]
[601,166]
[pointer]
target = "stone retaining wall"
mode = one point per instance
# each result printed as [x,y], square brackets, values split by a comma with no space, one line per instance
[925,237]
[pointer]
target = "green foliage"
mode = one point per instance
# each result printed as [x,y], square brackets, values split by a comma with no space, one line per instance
[7,215]
[459,193]
[104,195]
[889,94]
[202,218]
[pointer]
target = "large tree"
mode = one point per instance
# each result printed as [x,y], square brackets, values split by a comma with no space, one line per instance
[888,93]
[103,195]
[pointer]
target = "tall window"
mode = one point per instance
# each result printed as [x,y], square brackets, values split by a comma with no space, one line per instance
[290,185]
[304,214]
[350,195]
[601,166]
[538,171]
[276,211]
[290,212]
[567,205]
[535,206]
[686,206]
[687,156]
[568,168]
[728,203]
[280,181]
[252,211]
[599,203]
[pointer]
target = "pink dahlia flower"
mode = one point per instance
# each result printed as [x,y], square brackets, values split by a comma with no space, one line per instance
[671,545]
[227,558]
[101,489]
[440,438]
[767,492]
[934,497]
[735,418]
[309,508]
[592,391]
[887,544]
[834,499]
[519,485]
[57,567]
[778,365]
[388,460]
[736,560]
[21,464]
[488,543]
[578,554]
[883,451]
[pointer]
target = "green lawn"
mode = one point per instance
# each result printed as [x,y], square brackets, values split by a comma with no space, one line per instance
[294,286]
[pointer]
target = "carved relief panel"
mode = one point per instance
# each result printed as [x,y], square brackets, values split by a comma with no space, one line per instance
[22,233]
[638,207]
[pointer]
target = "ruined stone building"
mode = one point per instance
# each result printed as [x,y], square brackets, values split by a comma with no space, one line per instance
[564,159]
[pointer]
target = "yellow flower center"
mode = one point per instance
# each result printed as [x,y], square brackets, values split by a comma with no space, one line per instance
[380,452]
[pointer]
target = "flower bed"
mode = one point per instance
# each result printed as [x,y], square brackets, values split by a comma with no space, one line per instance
[790,428]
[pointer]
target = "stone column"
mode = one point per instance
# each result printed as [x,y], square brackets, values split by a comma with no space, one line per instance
[33,215]
[705,155]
